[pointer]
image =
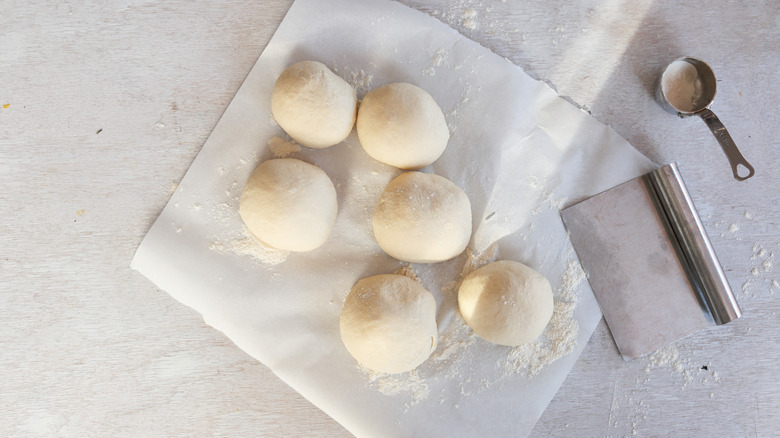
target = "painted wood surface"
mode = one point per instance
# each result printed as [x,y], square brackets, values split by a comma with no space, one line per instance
[103,106]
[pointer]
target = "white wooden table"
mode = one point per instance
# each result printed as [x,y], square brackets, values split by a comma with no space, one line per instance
[103,105]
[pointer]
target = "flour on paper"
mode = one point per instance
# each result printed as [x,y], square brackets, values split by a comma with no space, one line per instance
[560,336]
[453,356]
[249,246]
[282,148]
[361,81]
[374,35]
[241,242]
[437,60]
[409,384]
[408,271]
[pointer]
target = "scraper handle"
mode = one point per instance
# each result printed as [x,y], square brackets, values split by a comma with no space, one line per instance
[699,258]
[727,143]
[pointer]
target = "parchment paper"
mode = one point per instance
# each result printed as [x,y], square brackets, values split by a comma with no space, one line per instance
[519,152]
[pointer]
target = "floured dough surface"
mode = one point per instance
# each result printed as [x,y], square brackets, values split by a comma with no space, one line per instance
[289,204]
[506,302]
[422,218]
[401,125]
[313,105]
[388,323]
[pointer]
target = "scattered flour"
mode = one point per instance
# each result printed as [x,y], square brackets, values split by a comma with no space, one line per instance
[361,81]
[454,357]
[249,246]
[407,271]
[468,19]
[282,148]
[453,350]
[666,356]
[558,340]
[632,382]
[758,251]
[437,60]
[473,15]
[761,271]
[240,242]
[570,281]
[550,199]
[476,261]
[560,337]
[560,31]
[669,357]
[455,340]
[409,384]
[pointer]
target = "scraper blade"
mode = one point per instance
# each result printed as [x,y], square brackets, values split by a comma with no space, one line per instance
[649,262]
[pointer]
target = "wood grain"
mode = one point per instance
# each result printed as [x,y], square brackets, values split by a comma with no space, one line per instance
[103,105]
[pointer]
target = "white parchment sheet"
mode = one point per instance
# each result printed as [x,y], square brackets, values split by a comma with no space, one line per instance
[518,150]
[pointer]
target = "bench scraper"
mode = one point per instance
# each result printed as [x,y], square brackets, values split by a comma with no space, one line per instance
[649,262]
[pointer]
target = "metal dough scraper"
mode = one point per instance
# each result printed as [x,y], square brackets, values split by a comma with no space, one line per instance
[649,262]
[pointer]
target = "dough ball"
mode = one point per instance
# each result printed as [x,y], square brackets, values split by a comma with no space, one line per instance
[289,204]
[401,125]
[422,218]
[388,323]
[506,302]
[313,105]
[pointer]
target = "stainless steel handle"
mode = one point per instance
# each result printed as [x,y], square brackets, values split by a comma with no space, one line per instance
[729,147]
[698,256]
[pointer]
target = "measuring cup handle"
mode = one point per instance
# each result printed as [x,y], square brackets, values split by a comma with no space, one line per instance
[728,145]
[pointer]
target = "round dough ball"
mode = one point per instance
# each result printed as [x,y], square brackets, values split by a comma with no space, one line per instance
[506,302]
[422,218]
[289,204]
[313,105]
[401,125]
[388,323]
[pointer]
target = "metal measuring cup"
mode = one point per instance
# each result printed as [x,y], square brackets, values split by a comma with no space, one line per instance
[687,88]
